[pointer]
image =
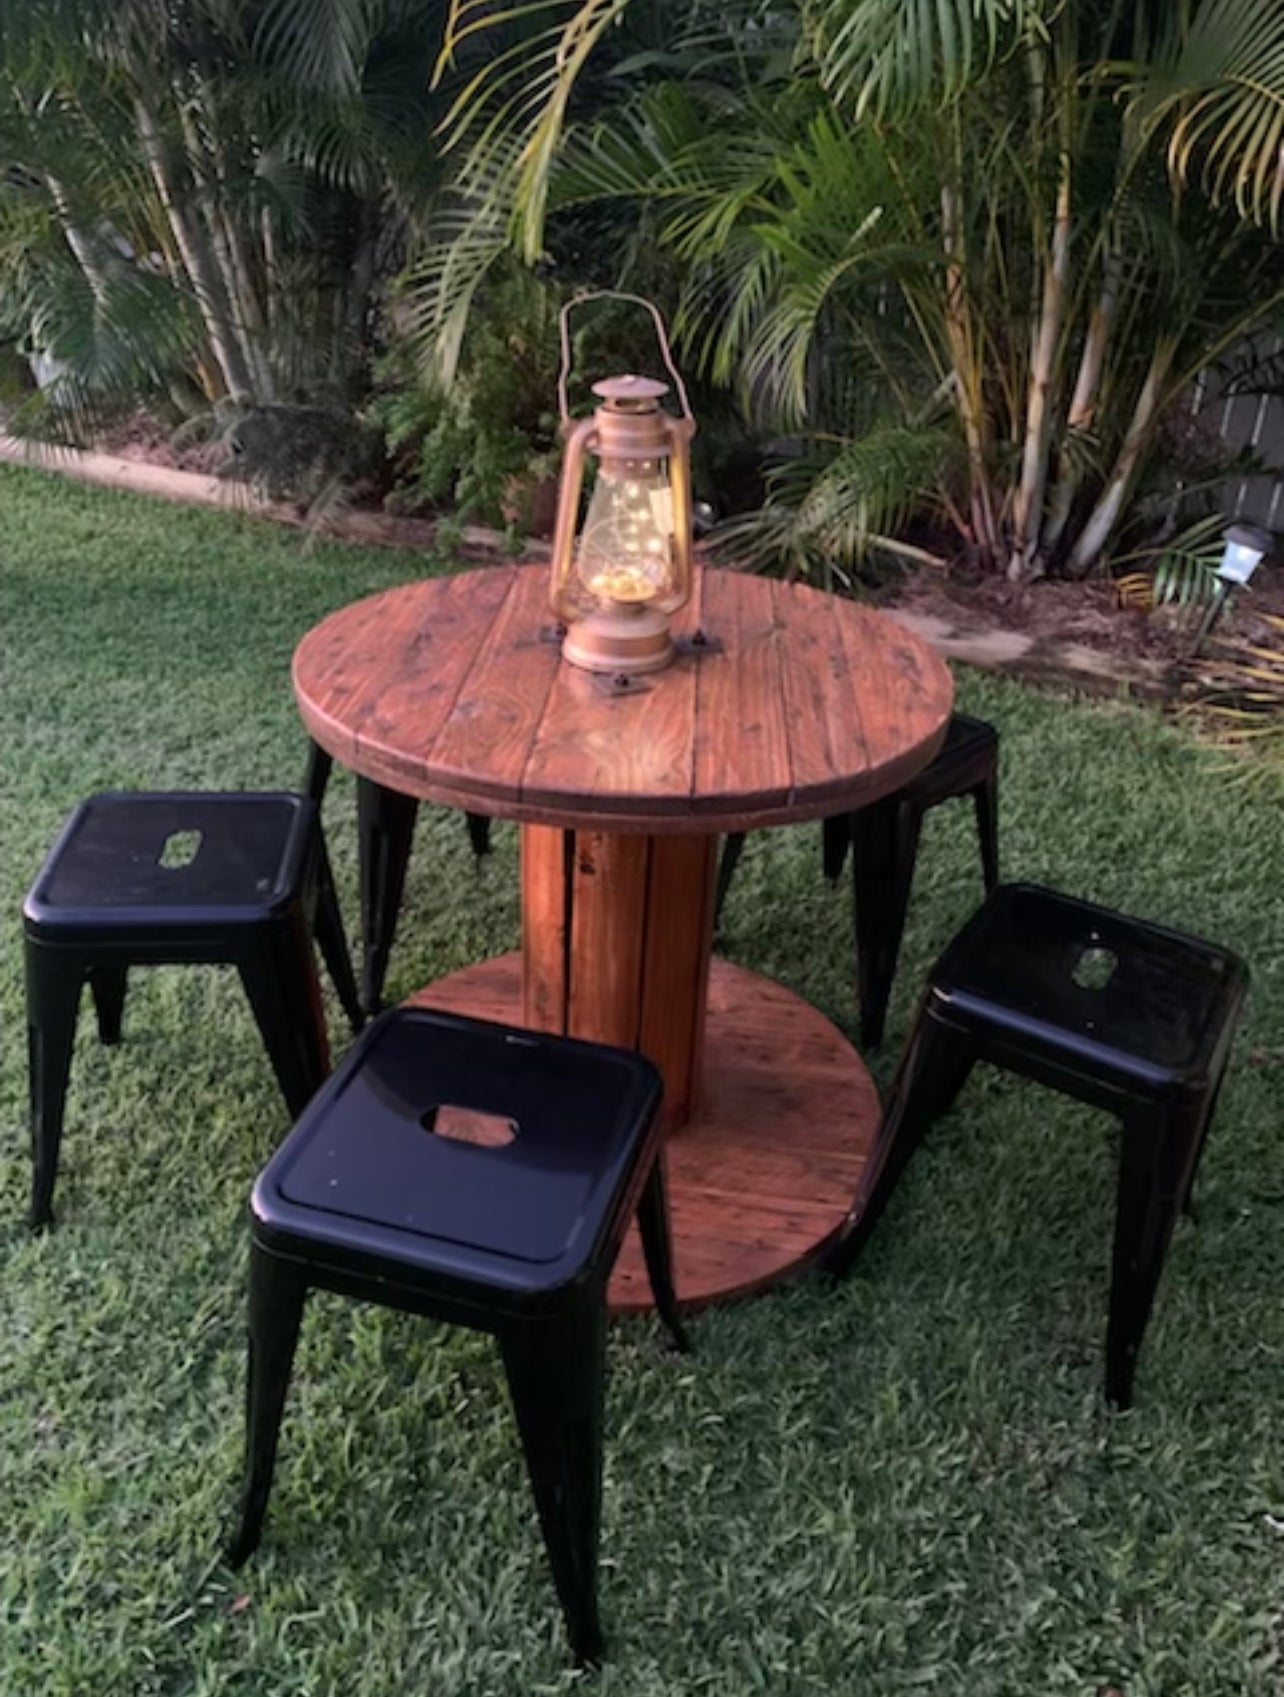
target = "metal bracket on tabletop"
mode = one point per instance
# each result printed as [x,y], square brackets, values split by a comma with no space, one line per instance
[619,683]
[698,644]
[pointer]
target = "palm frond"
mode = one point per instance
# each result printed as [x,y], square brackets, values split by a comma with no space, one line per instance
[1238,697]
[464,240]
[321,43]
[883,56]
[105,348]
[827,511]
[1185,570]
[1217,87]
[523,90]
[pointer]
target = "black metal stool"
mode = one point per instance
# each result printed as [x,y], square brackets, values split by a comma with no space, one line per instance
[385,831]
[480,1175]
[1118,1013]
[883,838]
[137,879]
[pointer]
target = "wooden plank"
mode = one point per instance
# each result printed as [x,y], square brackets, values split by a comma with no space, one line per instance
[608,887]
[906,694]
[741,745]
[675,967]
[390,668]
[630,753]
[429,652]
[484,740]
[331,670]
[823,714]
[545,911]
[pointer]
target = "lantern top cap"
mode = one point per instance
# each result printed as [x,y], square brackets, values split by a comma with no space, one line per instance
[630,388]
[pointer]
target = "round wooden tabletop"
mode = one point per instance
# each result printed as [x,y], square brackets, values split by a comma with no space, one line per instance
[783,704]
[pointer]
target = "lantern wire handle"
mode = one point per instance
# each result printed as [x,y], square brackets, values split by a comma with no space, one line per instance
[660,333]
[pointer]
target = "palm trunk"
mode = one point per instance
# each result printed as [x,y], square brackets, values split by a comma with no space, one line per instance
[81,247]
[1083,403]
[195,251]
[247,312]
[966,384]
[357,297]
[1102,520]
[271,268]
[229,245]
[1027,512]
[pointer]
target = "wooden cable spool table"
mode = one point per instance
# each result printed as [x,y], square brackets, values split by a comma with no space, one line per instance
[784,704]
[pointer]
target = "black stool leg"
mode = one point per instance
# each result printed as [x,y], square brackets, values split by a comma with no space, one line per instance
[331,940]
[108,985]
[478,834]
[280,978]
[733,846]
[985,798]
[1201,1121]
[884,850]
[934,1069]
[657,1247]
[385,829]
[557,1385]
[1153,1157]
[836,839]
[53,997]
[277,1293]
[317,777]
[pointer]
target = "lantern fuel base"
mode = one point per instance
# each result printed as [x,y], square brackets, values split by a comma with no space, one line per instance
[616,583]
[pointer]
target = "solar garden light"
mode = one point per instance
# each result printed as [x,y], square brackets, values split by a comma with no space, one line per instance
[615,582]
[1247,545]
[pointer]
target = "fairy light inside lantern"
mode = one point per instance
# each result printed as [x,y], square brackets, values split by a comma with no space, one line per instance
[615,583]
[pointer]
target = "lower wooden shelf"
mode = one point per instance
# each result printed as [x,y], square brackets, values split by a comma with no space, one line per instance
[764,1174]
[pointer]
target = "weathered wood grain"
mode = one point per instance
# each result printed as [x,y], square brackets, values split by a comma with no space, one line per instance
[906,694]
[485,739]
[675,967]
[451,690]
[545,914]
[376,680]
[608,930]
[616,934]
[742,752]
[599,750]
[823,712]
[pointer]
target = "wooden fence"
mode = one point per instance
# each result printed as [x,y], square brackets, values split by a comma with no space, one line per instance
[1255,422]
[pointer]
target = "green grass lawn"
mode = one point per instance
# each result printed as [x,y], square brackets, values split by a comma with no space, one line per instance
[906,1485]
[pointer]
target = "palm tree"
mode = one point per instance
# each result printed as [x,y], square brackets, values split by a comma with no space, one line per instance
[209,193]
[972,253]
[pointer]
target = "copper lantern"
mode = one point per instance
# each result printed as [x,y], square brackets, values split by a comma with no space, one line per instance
[618,575]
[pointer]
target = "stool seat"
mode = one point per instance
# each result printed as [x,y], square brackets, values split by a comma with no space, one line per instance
[963,758]
[369,1174]
[238,856]
[485,1176]
[1113,1011]
[140,878]
[1140,1005]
